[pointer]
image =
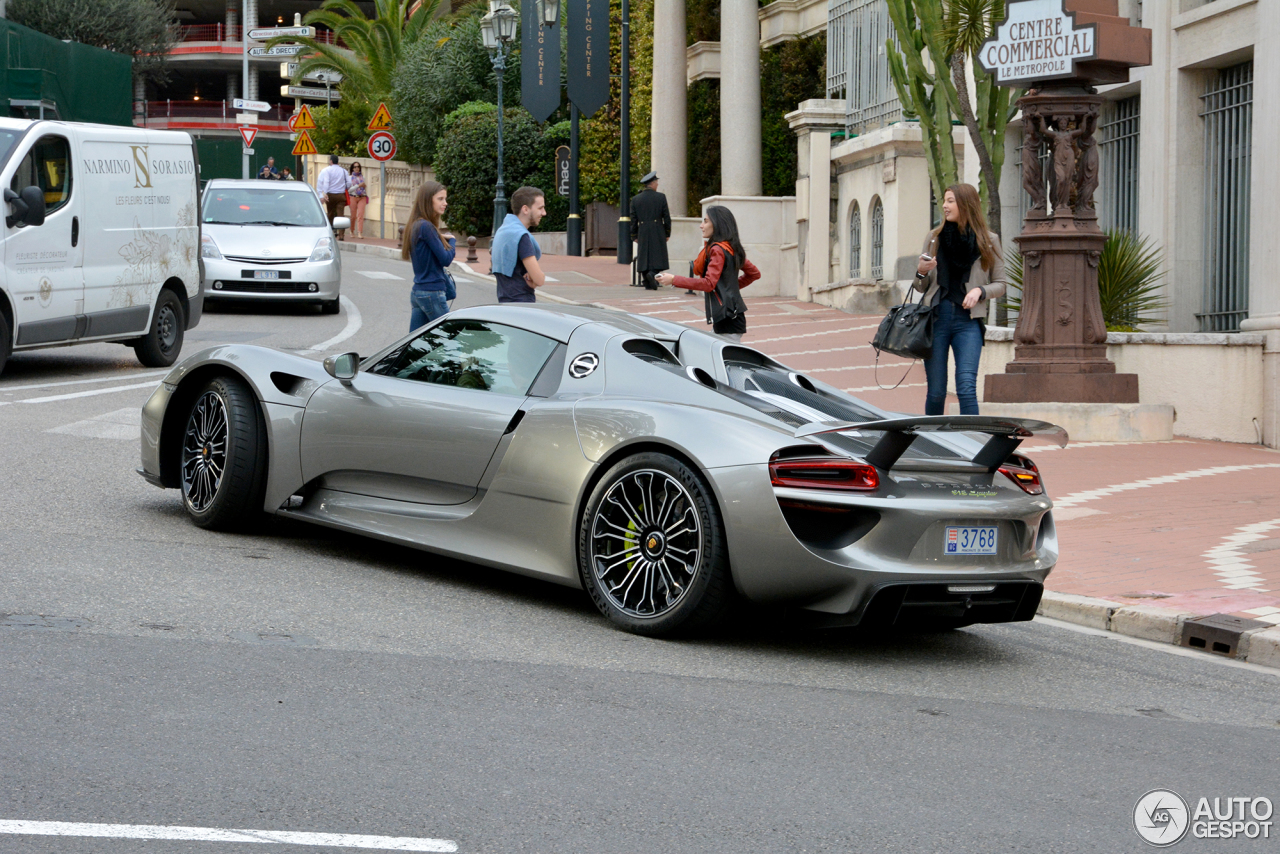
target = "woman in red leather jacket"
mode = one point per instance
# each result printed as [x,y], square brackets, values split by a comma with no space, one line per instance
[720,271]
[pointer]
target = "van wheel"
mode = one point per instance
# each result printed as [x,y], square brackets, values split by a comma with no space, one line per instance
[160,347]
[329,306]
[6,340]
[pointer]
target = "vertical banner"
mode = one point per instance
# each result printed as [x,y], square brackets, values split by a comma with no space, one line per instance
[539,63]
[588,54]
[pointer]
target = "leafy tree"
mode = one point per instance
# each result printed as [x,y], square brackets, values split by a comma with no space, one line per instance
[790,72]
[144,29]
[445,67]
[466,163]
[341,129]
[374,45]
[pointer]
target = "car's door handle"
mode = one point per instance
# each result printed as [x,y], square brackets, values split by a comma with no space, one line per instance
[75,230]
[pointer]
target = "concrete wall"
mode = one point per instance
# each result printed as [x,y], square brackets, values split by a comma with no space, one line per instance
[1216,382]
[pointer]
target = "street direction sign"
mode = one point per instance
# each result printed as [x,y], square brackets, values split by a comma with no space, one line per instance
[251,106]
[308,92]
[304,145]
[248,134]
[246,118]
[382,146]
[588,54]
[303,120]
[264,33]
[278,50]
[381,119]
[320,75]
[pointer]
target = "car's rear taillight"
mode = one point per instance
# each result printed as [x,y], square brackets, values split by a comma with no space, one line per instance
[1023,472]
[824,473]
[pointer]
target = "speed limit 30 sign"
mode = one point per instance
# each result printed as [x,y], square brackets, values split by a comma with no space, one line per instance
[382,146]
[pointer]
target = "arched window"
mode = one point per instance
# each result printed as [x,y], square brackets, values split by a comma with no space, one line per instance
[855,242]
[877,239]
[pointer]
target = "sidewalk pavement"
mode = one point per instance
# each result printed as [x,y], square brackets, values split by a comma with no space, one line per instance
[1151,534]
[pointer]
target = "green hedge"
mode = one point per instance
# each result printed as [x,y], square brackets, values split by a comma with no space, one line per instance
[704,142]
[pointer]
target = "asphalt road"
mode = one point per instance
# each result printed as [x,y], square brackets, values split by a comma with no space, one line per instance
[152,673]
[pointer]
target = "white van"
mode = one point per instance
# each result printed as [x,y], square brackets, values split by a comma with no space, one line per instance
[101,238]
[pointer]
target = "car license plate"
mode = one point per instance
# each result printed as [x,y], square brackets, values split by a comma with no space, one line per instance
[266,274]
[966,540]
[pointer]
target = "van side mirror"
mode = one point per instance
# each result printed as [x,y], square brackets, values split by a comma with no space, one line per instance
[28,206]
[342,367]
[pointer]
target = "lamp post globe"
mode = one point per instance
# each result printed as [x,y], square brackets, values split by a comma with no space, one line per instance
[548,12]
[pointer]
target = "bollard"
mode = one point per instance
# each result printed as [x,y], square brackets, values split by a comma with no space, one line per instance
[471,250]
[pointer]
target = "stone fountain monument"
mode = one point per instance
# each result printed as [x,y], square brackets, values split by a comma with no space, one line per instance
[1059,50]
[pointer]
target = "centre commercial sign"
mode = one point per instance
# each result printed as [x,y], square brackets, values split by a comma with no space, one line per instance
[1038,40]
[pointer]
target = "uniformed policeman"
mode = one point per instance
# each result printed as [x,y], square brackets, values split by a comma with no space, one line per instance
[651,229]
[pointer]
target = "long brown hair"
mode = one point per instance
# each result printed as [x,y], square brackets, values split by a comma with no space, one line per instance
[969,208]
[423,209]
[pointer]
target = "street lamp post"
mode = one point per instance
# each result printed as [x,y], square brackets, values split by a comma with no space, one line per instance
[497,31]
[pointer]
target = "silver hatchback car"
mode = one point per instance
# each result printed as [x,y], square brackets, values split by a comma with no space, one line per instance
[269,240]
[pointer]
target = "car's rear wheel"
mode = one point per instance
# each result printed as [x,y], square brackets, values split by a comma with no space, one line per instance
[651,548]
[160,347]
[224,456]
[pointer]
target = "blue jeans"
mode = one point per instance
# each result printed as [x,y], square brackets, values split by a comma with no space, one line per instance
[427,306]
[953,329]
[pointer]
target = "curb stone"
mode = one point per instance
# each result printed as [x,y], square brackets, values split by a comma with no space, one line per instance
[1259,646]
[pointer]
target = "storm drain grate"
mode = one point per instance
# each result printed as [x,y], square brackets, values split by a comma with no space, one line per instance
[1218,633]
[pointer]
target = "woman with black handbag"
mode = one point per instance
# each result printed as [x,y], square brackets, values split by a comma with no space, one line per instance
[720,271]
[959,271]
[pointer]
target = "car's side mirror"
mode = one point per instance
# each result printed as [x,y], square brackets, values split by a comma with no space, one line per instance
[342,367]
[28,206]
[341,222]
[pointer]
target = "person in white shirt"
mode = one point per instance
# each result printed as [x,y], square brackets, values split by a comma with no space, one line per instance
[331,184]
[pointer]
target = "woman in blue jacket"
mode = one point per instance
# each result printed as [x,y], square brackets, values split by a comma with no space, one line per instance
[432,250]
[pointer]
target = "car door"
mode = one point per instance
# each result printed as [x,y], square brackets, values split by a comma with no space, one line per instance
[45,263]
[422,424]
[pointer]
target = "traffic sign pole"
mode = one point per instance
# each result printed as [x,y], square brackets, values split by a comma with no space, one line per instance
[382,200]
[244,87]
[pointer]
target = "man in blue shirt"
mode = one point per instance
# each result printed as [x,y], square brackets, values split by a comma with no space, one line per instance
[514,253]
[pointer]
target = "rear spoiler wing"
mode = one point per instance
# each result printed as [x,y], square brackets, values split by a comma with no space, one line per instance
[1006,435]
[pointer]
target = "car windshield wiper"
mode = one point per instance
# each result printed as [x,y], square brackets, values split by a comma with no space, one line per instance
[267,222]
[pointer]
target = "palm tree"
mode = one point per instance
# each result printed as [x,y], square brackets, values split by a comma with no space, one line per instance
[374,45]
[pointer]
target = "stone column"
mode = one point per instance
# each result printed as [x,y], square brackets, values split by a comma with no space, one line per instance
[670,121]
[233,18]
[251,22]
[814,123]
[740,145]
[1264,251]
[233,87]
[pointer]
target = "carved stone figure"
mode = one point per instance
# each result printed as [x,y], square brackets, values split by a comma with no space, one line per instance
[1087,171]
[1032,173]
[1062,137]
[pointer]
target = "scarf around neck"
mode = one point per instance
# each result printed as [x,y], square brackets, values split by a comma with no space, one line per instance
[504,248]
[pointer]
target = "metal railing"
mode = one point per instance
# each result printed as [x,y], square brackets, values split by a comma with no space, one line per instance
[1118,137]
[857,68]
[1228,129]
[877,239]
[855,242]
[170,109]
[223,33]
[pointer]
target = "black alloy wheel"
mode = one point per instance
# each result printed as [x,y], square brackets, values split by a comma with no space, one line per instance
[224,456]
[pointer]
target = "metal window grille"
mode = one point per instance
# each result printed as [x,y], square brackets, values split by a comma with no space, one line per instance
[1118,145]
[1228,128]
[877,240]
[855,241]
[857,68]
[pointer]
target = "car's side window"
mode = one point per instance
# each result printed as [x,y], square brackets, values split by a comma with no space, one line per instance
[47,166]
[471,354]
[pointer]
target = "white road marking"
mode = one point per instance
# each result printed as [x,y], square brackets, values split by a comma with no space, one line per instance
[1102,492]
[215,834]
[1232,567]
[120,424]
[96,391]
[115,379]
[810,334]
[885,388]
[1045,449]
[353,326]
[379,274]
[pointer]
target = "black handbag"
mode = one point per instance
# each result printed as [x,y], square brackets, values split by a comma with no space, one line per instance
[906,331]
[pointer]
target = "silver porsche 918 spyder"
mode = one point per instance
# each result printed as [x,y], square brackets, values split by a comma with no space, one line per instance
[658,467]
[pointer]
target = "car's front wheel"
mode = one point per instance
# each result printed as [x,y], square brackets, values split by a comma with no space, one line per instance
[651,548]
[224,456]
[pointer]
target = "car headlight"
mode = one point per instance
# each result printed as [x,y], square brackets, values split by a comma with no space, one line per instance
[323,250]
[209,249]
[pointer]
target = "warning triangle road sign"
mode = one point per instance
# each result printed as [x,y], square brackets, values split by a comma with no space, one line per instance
[304,120]
[381,119]
[248,134]
[304,145]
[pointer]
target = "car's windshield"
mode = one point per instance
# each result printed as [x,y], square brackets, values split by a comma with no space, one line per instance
[265,206]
